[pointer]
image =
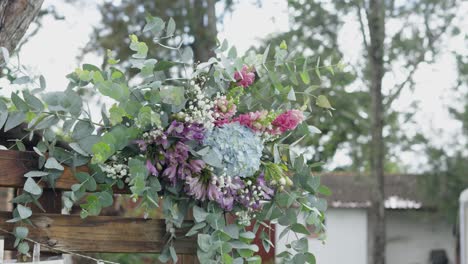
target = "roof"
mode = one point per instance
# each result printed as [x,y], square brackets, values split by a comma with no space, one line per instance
[353,190]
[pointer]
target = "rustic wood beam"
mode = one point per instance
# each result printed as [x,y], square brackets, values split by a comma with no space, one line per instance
[14,164]
[100,234]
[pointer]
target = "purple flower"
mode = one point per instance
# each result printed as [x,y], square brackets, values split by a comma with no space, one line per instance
[141,144]
[267,191]
[170,174]
[196,188]
[186,131]
[213,192]
[151,168]
[229,193]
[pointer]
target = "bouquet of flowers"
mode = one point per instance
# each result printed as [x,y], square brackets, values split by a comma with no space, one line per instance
[211,139]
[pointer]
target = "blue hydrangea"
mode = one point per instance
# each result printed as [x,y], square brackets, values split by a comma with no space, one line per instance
[238,147]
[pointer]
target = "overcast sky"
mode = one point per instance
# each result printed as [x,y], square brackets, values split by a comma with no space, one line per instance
[53,51]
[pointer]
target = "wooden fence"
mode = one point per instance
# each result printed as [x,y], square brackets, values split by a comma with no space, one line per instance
[93,234]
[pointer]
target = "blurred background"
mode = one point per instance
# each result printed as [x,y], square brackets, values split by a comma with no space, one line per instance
[423,105]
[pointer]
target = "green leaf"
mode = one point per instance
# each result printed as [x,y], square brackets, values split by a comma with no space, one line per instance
[254,260]
[232,54]
[36,174]
[199,214]
[227,259]
[47,122]
[76,147]
[52,163]
[324,190]
[292,95]
[301,245]
[322,101]
[247,235]
[105,198]
[68,101]
[3,117]
[310,258]
[204,242]
[31,187]
[154,24]
[23,248]
[299,259]
[265,55]
[305,77]
[187,55]
[14,120]
[33,101]
[171,27]
[116,114]
[102,151]
[21,232]
[140,47]
[173,254]
[82,129]
[195,229]
[174,96]
[42,83]
[283,45]
[232,231]
[314,130]
[147,117]
[117,91]
[300,228]
[23,211]
[22,80]
[164,65]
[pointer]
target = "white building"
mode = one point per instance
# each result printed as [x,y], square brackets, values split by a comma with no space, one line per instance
[413,229]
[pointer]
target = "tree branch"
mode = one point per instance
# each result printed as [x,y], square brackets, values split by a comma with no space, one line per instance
[361,23]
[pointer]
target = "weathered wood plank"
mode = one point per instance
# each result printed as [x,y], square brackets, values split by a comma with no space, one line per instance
[14,164]
[100,234]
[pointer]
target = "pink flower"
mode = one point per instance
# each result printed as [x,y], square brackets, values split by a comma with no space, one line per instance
[257,121]
[224,110]
[245,77]
[287,121]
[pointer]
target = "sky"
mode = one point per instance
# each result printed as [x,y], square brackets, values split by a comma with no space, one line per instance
[53,53]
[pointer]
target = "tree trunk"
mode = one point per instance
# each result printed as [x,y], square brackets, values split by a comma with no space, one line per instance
[205,30]
[15,17]
[376,24]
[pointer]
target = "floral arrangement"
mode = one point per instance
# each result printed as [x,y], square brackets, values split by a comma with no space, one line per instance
[206,139]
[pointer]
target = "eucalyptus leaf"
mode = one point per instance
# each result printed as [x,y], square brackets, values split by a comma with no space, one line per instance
[36,174]
[52,163]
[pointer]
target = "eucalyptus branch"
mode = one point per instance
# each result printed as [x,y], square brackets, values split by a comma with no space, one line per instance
[60,250]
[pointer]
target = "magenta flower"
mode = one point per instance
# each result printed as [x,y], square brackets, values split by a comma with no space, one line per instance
[245,77]
[257,121]
[286,121]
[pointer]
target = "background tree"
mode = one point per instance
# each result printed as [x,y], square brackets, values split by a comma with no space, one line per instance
[15,17]
[418,30]
[196,20]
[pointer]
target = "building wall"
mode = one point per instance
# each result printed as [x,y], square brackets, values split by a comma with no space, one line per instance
[411,235]
[346,238]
